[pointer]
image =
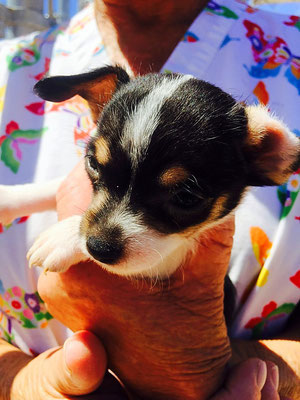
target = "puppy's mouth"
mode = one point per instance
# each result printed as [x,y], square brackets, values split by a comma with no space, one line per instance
[146,255]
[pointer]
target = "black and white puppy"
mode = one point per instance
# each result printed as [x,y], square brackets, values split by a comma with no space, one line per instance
[172,157]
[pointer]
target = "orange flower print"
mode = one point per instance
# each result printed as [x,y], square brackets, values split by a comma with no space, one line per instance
[261,244]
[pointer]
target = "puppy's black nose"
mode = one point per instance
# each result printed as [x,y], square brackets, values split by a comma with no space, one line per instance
[104,251]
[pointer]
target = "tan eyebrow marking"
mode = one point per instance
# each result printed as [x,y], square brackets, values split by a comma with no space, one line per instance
[172,176]
[102,152]
[218,207]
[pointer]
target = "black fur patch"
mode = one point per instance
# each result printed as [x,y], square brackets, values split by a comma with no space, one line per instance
[200,128]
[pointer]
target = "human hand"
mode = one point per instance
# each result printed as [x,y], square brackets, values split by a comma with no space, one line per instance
[63,373]
[164,340]
[252,379]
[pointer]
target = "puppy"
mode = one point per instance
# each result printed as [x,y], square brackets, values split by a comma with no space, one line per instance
[172,157]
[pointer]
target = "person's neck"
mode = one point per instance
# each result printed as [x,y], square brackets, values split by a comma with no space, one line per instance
[140,35]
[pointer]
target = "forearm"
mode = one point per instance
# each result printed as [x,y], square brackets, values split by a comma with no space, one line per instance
[12,360]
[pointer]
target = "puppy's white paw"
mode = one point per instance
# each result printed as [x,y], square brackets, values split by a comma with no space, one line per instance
[9,204]
[59,247]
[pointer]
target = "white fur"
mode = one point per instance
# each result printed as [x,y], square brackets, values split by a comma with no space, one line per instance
[260,121]
[142,123]
[58,247]
[150,255]
[147,253]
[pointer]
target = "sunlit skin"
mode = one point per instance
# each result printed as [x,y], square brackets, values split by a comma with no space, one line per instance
[87,297]
[187,312]
[142,35]
[146,329]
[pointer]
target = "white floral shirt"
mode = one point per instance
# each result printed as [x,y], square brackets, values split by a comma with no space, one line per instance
[254,55]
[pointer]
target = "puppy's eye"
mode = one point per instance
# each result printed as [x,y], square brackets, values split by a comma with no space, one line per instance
[92,166]
[185,199]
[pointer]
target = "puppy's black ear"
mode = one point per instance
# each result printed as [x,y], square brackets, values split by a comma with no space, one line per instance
[272,151]
[97,87]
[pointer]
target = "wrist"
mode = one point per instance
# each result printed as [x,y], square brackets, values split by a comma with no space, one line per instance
[188,364]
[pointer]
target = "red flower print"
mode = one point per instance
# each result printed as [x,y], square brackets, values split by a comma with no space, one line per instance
[37,108]
[16,304]
[268,309]
[253,322]
[21,220]
[296,279]
[11,127]
[46,69]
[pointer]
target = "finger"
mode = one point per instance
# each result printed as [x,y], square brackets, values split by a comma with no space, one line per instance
[77,368]
[74,194]
[245,381]
[270,389]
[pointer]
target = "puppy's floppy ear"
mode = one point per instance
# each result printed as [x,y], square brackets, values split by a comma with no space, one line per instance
[97,87]
[271,150]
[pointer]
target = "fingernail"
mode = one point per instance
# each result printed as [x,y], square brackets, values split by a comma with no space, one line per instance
[261,374]
[275,376]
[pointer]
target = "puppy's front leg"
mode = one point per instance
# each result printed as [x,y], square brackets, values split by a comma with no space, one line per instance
[59,247]
[21,200]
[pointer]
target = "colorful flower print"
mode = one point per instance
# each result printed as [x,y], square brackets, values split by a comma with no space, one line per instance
[6,328]
[44,72]
[190,37]
[288,193]
[85,127]
[214,8]
[98,49]
[27,309]
[17,221]
[24,55]
[261,244]
[270,55]
[11,153]
[80,23]
[32,300]
[228,39]
[271,319]
[294,21]
[2,290]
[2,97]
[260,91]
[28,52]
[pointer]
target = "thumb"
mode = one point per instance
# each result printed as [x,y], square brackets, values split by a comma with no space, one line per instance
[78,367]
[246,380]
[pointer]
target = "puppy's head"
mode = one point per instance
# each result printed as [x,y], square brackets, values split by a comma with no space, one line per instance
[172,156]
